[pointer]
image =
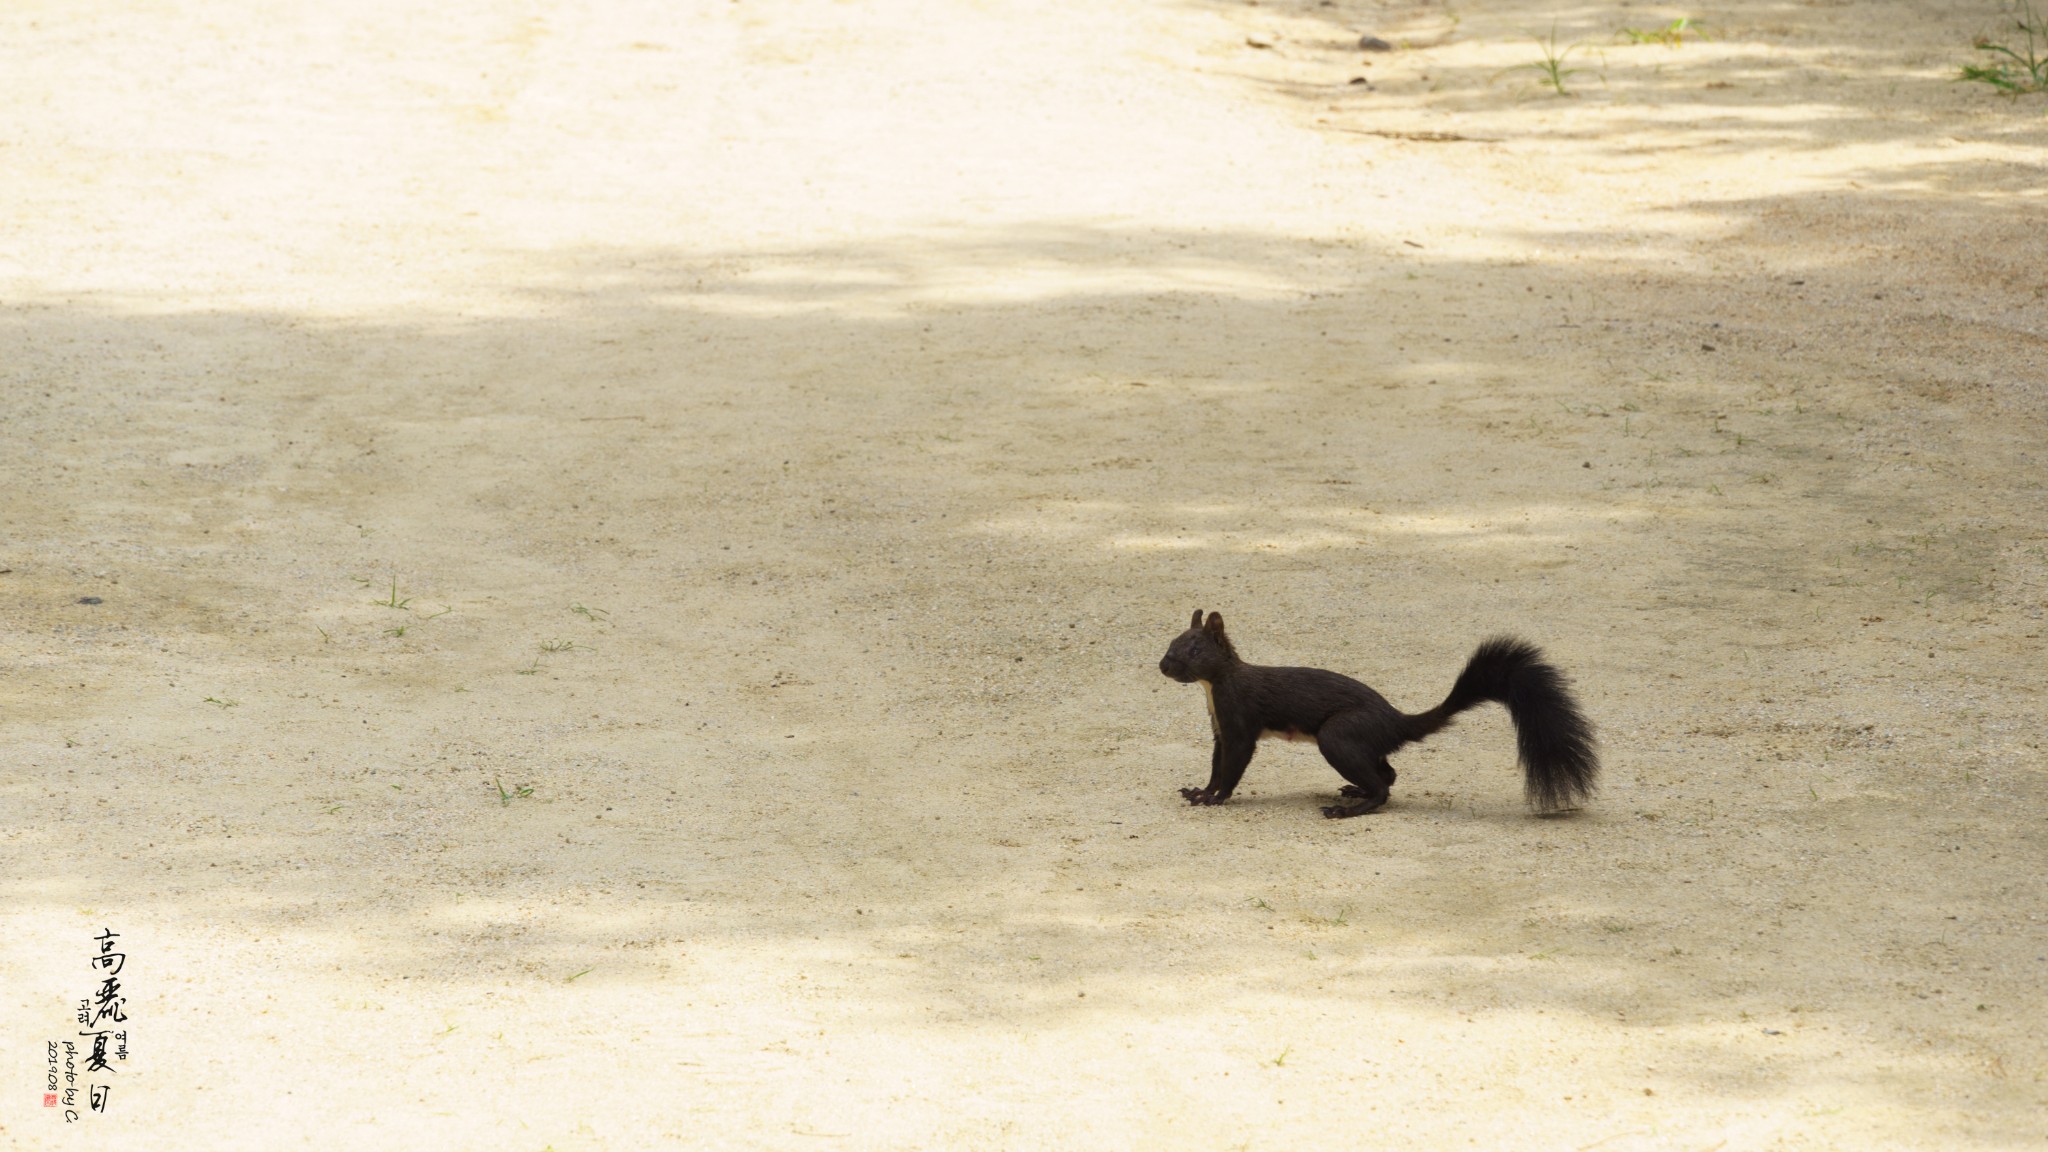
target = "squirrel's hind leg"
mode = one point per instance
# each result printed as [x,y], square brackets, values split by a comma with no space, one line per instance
[1348,743]
[1387,773]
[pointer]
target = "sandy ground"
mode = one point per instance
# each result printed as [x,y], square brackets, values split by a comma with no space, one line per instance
[628,546]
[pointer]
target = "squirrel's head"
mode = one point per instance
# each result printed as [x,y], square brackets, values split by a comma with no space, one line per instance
[1200,653]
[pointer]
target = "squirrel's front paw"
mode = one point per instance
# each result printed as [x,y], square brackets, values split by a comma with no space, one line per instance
[1202,796]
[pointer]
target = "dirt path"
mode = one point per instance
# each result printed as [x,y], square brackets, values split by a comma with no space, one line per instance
[589,577]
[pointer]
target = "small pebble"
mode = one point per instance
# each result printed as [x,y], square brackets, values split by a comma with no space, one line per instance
[1372,43]
[90,600]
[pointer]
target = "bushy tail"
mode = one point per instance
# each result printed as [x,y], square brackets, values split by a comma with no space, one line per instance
[1555,739]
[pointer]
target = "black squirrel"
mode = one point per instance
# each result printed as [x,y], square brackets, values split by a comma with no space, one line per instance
[1356,728]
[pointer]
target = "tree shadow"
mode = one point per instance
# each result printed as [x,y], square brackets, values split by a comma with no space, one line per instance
[1747,81]
[885,538]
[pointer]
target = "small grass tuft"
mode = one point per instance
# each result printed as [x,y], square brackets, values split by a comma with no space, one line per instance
[394,601]
[2014,71]
[1551,68]
[518,792]
[549,648]
[1671,35]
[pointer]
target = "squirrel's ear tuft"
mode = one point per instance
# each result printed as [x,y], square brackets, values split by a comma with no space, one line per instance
[1215,624]
[1197,621]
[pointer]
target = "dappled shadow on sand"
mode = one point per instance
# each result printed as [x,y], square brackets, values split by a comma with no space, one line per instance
[1760,78]
[884,703]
